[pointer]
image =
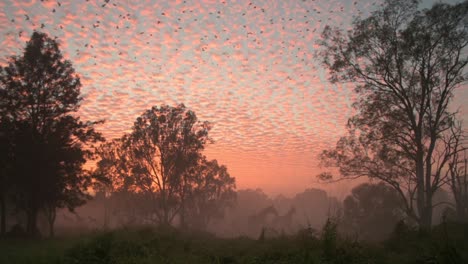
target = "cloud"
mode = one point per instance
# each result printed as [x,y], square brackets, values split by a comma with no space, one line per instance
[246,67]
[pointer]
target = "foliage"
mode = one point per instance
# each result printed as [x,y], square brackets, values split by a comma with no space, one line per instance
[154,158]
[161,159]
[372,210]
[48,144]
[406,64]
[446,244]
[209,190]
[457,170]
[329,239]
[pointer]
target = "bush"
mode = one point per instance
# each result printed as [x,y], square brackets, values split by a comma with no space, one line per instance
[445,244]
[98,251]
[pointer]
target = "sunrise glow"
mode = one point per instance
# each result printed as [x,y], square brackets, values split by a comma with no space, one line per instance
[246,66]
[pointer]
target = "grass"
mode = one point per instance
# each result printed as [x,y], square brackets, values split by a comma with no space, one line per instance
[35,251]
[445,244]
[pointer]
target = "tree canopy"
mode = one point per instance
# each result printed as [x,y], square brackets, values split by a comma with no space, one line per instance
[406,64]
[47,143]
[209,192]
[372,210]
[162,158]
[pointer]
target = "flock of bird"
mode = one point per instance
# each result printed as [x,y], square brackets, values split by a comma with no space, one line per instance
[308,18]
[250,63]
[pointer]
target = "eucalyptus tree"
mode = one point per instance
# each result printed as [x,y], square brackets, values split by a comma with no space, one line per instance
[156,156]
[406,64]
[210,190]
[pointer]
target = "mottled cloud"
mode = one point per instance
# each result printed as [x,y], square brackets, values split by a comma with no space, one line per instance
[246,66]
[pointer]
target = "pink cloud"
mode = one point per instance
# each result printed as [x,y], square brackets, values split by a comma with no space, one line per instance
[249,69]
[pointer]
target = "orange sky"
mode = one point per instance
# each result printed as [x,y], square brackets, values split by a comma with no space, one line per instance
[246,66]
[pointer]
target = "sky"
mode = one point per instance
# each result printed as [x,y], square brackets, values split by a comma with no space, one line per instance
[248,67]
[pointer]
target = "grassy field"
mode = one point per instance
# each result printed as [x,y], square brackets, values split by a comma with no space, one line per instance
[446,244]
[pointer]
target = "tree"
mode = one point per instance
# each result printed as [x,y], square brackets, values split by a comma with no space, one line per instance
[165,143]
[39,97]
[459,186]
[210,190]
[68,183]
[372,210]
[5,170]
[406,64]
[457,177]
[112,166]
[316,206]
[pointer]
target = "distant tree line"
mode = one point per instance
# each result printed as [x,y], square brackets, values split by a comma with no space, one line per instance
[45,145]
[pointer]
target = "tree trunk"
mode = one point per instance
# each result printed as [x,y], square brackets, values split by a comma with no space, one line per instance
[31,222]
[2,215]
[51,216]
[106,215]
[165,215]
[426,218]
[51,229]
[28,222]
[425,214]
[183,223]
[166,220]
[461,213]
[421,194]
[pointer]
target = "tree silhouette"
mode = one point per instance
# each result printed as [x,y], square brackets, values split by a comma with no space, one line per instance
[455,142]
[372,210]
[39,97]
[209,191]
[406,65]
[155,158]
[5,171]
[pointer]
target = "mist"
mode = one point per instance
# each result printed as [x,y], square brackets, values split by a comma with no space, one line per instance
[253,213]
[233,132]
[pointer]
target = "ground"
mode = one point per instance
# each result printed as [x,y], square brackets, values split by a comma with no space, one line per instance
[447,243]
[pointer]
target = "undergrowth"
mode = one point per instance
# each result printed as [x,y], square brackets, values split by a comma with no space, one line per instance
[447,243]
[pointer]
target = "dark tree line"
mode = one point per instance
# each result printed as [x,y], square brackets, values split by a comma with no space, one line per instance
[45,145]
